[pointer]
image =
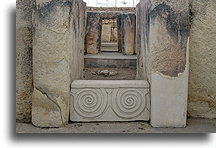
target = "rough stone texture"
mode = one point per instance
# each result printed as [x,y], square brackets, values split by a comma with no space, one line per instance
[106,32]
[202,60]
[109,100]
[142,37]
[56,59]
[128,31]
[93,33]
[166,61]
[24,78]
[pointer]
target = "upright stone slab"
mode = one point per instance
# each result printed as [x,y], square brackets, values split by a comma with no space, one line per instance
[142,37]
[55,53]
[202,90]
[128,22]
[93,33]
[168,62]
[24,79]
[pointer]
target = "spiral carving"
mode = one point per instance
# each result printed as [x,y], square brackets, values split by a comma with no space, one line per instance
[129,103]
[90,103]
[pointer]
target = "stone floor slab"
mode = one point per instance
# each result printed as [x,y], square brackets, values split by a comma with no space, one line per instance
[193,126]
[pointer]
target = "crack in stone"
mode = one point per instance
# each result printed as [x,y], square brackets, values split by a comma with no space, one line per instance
[46,92]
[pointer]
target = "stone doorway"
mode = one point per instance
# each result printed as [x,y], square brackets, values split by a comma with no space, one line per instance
[110,91]
[109,36]
[162,45]
[110,45]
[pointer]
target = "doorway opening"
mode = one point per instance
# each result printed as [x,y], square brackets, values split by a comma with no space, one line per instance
[109,35]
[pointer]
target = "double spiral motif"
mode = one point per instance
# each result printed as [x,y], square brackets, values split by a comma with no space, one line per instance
[129,103]
[90,103]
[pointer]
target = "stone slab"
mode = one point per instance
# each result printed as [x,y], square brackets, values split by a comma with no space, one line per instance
[165,29]
[24,72]
[110,100]
[110,60]
[57,59]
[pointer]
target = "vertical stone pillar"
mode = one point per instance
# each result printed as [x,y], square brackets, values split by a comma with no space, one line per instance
[119,40]
[82,13]
[168,62]
[142,37]
[24,74]
[93,33]
[55,52]
[128,22]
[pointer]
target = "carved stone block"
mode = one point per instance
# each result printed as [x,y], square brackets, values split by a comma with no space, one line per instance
[118,100]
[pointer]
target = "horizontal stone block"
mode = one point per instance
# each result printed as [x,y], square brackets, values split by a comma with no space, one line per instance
[109,100]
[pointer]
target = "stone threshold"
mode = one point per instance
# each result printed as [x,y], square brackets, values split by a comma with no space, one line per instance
[110,56]
[193,126]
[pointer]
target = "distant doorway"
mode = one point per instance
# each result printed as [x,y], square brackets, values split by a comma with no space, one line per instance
[109,35]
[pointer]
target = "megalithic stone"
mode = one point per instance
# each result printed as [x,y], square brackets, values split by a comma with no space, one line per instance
[169,62]
[93,33]
[24,73]
[128,32]
[54,56]
[165,61]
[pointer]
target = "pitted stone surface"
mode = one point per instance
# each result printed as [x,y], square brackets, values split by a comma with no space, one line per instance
[24,76]
[57,59]
[202,60]
[165,28]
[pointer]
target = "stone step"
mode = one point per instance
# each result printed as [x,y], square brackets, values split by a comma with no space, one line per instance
[109,44]
[110,60]
[111,47]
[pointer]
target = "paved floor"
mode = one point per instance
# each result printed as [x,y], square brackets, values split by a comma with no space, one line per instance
[193,126]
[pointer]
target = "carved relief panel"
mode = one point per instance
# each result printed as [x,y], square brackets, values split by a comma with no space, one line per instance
[125,100]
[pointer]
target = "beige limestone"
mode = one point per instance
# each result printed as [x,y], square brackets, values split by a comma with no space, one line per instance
[128,33]
[56,60]
[202,60]
[109,100]
[166,44]
[24,77]
[106,32]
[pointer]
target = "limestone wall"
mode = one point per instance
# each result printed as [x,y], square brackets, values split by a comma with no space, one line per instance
[24,78]
[142,37]
[164,42]
[57,58]
[126,28]
[59,30]
[128,31]
[201,95]
[202,60]
[93,33]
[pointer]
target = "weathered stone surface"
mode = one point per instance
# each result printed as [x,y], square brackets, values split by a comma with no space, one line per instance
[167,62]
[107,100]
[106,32]
[93,33]
[24,74]
[128,22]
[142,37]
[202,60]
[126,29]
[166,50]
[56,59]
